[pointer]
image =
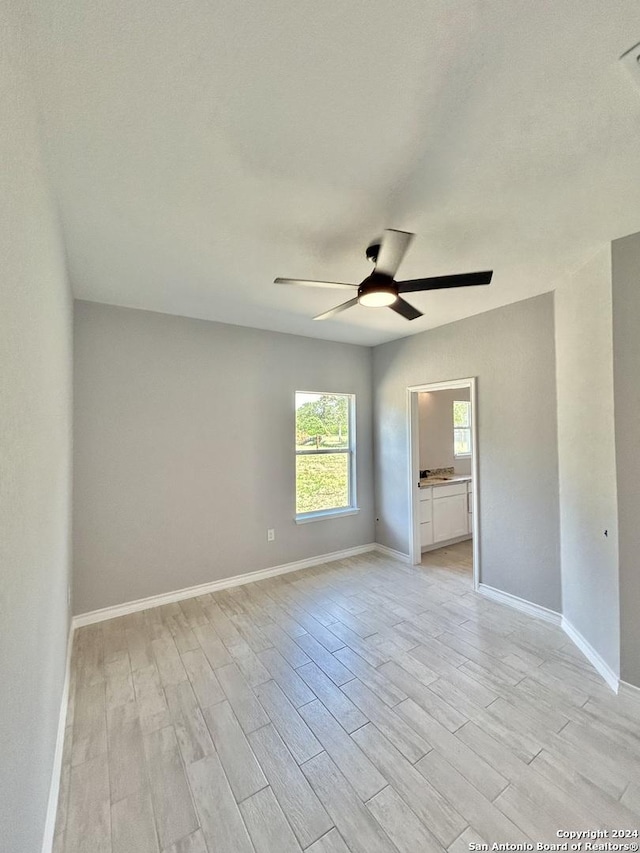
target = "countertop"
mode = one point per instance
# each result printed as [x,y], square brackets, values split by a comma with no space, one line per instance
[439,481]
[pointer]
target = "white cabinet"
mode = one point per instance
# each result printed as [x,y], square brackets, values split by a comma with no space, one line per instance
[445,512]
[450,517]
[426,527]
[426,533]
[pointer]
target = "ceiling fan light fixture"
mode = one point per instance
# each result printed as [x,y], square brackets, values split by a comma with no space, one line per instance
[380,289]
[377,298]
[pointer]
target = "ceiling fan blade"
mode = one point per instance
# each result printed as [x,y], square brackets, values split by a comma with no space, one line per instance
[305,283]
[337,309]
[438,282]
[407,311]
[393,246]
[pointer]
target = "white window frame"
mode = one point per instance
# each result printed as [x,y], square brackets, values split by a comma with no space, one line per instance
[352,508]
[468,428]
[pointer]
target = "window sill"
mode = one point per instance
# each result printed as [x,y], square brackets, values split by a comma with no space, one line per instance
[462,456]
[323,515]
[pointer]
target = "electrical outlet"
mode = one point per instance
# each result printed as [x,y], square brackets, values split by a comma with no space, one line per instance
[271,534]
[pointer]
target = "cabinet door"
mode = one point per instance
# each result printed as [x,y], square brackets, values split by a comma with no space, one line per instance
[450,517]
[426,533]
[425,511]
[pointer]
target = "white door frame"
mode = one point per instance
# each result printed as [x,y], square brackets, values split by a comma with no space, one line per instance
[415,548]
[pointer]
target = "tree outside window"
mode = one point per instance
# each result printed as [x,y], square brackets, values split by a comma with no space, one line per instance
[324,452]
[461,428]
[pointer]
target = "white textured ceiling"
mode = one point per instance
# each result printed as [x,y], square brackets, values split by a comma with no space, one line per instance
[200,148]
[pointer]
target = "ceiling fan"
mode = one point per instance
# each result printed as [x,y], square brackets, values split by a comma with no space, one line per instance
[381,289]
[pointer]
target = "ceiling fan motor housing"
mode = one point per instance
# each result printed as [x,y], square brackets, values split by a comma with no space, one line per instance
[377,290]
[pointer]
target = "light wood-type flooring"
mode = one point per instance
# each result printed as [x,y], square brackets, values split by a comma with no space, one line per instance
[364,706]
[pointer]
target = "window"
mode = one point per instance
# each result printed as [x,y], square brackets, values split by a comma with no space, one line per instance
[461,428]
[325,455]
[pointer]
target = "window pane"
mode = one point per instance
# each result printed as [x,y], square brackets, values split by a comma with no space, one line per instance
[322,481]
[462,441]
[461,413]
[322,421]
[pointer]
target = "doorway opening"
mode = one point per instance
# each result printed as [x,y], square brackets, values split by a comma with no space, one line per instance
[443,473]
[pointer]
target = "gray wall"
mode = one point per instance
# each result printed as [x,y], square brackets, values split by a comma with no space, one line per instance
[587,461]
[626,362]
[35,457]
[511,351]
[184,451]
[435,419]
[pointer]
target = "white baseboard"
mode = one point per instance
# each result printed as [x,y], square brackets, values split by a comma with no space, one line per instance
[56,771]
[116,610]
[629,689]
[591,655]
[391,552]
[435,546]
[520,604]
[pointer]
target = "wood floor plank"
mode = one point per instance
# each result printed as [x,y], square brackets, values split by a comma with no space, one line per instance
[539,822]
[220,819]
[316,630]
[375,680]
[402,825]
[290,650]
[283,674]
[89,815]
[510,730]
[631,798]
[114,639]
[492,749]
[193,843]
[252,669]
[366,648]
[474,768]
[462,693]
[168,661]
[477,810]
[215,650]
[89,727]
[170,794]
[361,832]
[293,730]
[332,842]
[445,822]
[119,683]
[152,705]
[405,738]
[426,698]
[89,655]
[303,809]
[333,698]
[347,756]
[193,612]
[267,825]
[561,773]
[183,636]
[203,679]
[138,645]
[191,730]
[327,662]
[603,749]
[132,824]
[127,769]
[247,708]
[240,764]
